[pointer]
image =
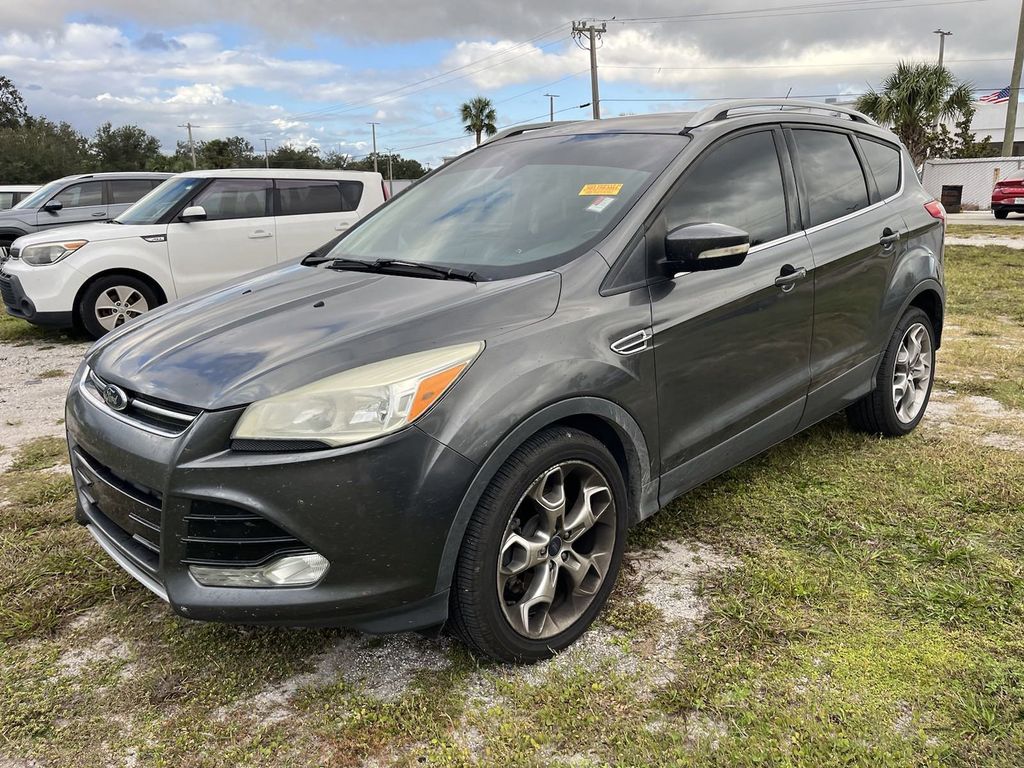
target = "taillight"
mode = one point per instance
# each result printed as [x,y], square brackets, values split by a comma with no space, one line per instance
[384,186]
[935,210]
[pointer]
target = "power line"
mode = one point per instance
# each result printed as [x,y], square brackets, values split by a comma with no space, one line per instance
[783,66]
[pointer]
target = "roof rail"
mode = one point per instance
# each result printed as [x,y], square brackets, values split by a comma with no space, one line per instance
[721,111]
[516,130]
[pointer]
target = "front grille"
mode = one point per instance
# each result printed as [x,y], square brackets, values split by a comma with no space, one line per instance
[218,534]
[128,513]
[149,413]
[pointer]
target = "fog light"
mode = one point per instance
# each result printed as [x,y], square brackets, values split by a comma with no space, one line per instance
[290,571]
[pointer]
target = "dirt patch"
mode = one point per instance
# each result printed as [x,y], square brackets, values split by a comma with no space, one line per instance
[73,663]
[984,240]
[670,577]
[982,419]
[379,668]
[32,406]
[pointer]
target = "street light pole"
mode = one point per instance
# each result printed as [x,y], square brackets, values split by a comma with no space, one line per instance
[373,129]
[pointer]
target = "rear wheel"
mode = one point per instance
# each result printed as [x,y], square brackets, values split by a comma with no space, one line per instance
[112,301]
[904,382]
[542,549]
[1001,214]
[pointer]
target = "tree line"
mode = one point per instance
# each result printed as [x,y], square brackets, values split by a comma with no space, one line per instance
[37,150]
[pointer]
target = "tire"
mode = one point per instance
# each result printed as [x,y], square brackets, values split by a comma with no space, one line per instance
[504,563]
[884,412]
[1001,214]
[100,300]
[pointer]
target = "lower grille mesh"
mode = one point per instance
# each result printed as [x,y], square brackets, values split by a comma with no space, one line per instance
[219,534]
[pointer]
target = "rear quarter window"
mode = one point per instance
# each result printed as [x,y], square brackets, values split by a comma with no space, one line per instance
[884,162]
[309,196]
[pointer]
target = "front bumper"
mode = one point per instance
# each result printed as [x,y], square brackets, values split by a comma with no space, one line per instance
[19,305]
[379,512]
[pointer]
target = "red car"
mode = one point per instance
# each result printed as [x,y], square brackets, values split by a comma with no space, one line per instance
[1008,196]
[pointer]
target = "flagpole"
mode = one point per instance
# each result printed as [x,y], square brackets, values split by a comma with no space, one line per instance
[1011,105]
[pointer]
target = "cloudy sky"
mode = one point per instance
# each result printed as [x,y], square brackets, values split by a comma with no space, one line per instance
[304,72]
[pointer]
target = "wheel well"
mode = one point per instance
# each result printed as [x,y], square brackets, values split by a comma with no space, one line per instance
[160,295]
[930,302]
[611,438]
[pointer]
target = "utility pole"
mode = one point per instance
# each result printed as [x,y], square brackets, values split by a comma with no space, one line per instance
[191,144]
[1011,105]
[373,129]
[942,43]
[391,173]
[266,153]
[551,104]
[593,32]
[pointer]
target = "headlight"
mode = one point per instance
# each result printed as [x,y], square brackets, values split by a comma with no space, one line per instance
[360,404]
[49,253]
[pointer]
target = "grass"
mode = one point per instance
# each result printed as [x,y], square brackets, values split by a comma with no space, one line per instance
[985,230]
[13,329]
[874,617]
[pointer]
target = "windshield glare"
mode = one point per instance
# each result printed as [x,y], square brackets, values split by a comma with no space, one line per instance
[158,203]
[41,195]
[515,207]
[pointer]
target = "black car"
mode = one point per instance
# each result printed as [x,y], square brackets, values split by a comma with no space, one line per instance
[453,414]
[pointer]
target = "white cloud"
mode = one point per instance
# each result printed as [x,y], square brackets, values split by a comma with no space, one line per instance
[200,93]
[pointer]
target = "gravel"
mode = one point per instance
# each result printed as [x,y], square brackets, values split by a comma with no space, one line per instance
[31,405]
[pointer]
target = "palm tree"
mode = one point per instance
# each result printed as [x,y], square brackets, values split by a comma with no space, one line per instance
[479,116]
[913,99]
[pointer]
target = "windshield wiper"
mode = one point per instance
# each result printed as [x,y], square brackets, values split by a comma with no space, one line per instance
[413,267]
[395,267]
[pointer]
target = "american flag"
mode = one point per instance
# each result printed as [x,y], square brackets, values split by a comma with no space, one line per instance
[998,97]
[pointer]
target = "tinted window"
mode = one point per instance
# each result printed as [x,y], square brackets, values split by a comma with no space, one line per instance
[7,200]
[78,195]
[738,183]
[234,199]
[129,190]
[884,162]
[833,179]
[298,197]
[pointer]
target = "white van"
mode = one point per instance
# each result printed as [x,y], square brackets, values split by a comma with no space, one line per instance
[194,231]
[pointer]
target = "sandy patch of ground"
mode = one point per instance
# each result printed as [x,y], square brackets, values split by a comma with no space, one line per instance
[983,240]
[982,419]
[32,406]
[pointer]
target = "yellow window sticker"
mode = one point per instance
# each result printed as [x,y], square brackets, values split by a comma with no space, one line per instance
[600,189]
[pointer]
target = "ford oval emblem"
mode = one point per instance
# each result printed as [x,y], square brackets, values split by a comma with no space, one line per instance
[115,397]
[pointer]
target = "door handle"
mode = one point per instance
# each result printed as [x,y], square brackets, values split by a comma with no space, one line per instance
[889,237]
[256,234]
[790,276]
[99,213]
[341,227]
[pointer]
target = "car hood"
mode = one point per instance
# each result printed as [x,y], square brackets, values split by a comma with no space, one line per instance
[288,327]
[93,232]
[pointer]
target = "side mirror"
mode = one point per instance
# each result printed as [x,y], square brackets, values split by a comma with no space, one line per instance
[700,247]
[193,213]
[53,206]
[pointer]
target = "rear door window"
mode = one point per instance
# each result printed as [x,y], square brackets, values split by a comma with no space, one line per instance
[833,179]
[884,162]
[124,191]
[737,183]
[235,199]
[299,197]
[80,195]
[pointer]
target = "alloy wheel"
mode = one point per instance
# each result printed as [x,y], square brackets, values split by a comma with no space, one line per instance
[119,304]
[556,549]
[912,373]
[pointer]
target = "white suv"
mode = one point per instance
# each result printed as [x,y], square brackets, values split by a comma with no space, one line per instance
[194,231]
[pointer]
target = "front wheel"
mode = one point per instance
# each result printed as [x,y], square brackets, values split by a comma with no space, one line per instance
[904,382]
[542,550]
[112,301]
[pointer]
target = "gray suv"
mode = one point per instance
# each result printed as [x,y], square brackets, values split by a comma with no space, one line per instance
[74,200]
[453,413]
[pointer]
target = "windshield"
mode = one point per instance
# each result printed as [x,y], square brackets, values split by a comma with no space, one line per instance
[42,194]
[158,203]
[515,207]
